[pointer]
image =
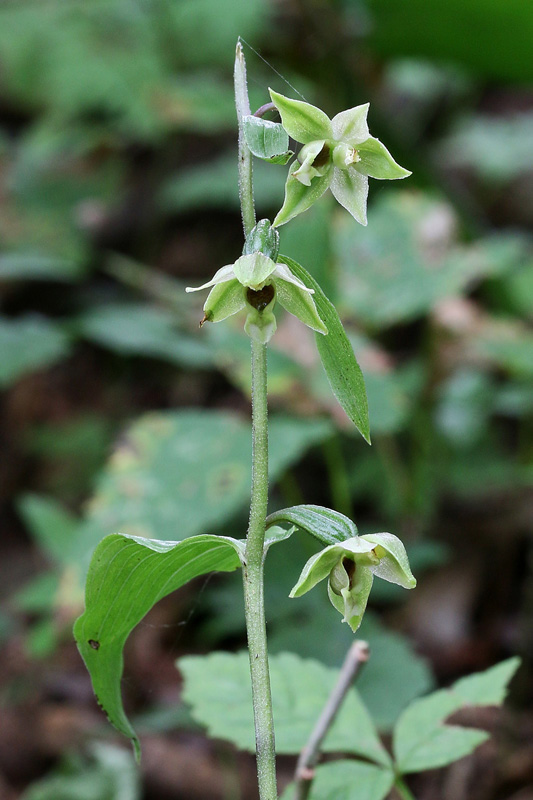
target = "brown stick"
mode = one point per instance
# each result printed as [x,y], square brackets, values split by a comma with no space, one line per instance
[356,658]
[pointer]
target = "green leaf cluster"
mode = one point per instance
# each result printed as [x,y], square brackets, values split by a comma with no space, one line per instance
[217,689]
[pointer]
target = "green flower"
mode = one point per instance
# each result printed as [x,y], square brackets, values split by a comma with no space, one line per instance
[338,154]
[255,282]
[351,566]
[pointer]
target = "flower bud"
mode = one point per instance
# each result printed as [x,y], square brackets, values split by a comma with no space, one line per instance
[263,238]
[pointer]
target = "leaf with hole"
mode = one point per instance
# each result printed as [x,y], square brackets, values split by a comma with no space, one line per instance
[127,576]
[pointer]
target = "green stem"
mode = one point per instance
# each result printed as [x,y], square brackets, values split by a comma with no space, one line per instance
[253,582]
[403,790]
[254,557]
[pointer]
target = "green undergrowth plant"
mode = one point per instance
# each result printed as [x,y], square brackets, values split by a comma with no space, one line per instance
[313,706]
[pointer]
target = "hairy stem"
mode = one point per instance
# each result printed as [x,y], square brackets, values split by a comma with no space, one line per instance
[357,656]
[253,581]
[254,557]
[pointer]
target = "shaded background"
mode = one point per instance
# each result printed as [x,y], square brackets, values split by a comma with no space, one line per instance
[117,189]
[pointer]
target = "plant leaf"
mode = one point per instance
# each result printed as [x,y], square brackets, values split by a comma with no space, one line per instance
[422,740]
[218,688]
[159,485]
[329,526]
[265,139]
[127,576]
[347,780]
[489,687]
[338,359]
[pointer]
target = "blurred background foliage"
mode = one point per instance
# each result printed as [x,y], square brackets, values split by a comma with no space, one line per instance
[117,189]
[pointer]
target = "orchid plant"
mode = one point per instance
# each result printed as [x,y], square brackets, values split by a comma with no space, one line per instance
[128,574]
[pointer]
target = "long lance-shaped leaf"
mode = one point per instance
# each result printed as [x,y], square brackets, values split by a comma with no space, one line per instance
[329,526]
[127,576]
[338,359]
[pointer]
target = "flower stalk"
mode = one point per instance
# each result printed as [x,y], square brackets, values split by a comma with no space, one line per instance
[253,579]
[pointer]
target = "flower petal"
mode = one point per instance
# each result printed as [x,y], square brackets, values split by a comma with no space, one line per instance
[253,270]
[352,602]
[260,325]
[394,564]
[350,189]
[302,121]
[351,126]
[282,271]
[224,300]
[299,198]
[377,162]
[223,274]
[306,171]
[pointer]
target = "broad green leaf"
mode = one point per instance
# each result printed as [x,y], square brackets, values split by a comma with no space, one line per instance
[138,329]
[423,741]
[27,344]
[178,473]
[347,780]
[338,359]
[329,526]
[265,139]
[127,576]
[218,689]
[489,687]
